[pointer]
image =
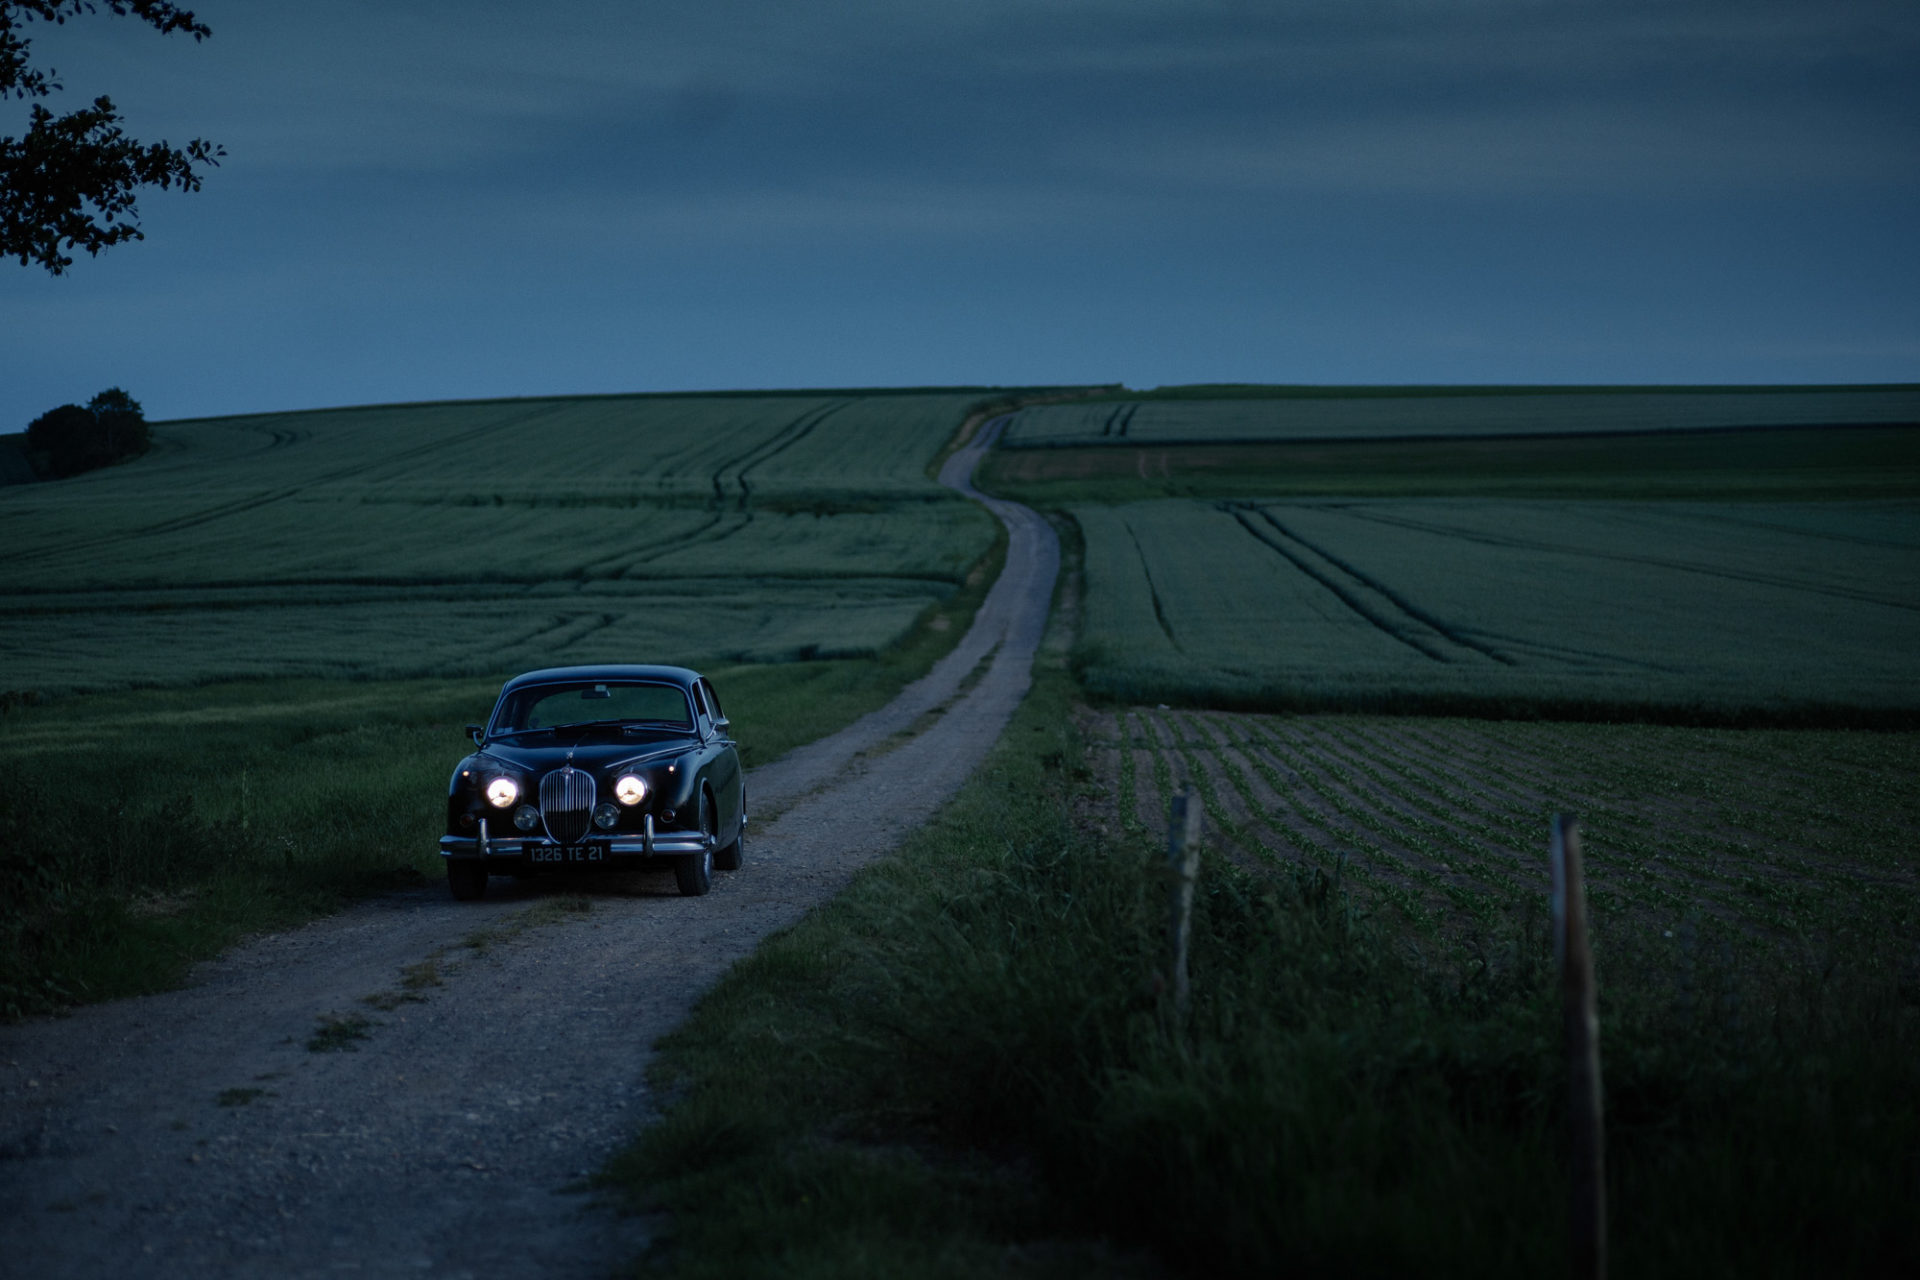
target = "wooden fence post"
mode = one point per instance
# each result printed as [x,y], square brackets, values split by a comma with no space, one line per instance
[1586,1137]
[1183,861]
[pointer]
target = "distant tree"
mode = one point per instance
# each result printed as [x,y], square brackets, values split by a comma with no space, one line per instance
[122,424]
[68,440]
[70,181]
[59,440]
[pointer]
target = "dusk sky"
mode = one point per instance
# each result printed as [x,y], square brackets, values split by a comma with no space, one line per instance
[427,200]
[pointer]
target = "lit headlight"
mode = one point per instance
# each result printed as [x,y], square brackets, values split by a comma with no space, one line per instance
[630,790]
[605,816]
[502,792]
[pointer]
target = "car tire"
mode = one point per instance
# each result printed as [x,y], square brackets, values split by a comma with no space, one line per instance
[694,871]
[467,877]
[729,858]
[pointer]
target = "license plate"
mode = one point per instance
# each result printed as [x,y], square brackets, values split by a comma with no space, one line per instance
[572,853]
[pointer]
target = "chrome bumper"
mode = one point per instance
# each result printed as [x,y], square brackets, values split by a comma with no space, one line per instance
[649,843]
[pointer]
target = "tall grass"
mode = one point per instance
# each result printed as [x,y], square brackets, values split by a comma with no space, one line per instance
[141,832]
[967,1065]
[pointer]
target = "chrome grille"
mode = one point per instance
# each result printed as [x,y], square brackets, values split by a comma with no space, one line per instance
[566,803]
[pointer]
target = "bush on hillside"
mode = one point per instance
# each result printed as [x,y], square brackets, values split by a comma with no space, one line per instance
[70,439]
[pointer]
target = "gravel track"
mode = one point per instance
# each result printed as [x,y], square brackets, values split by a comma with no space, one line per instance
[196,1134]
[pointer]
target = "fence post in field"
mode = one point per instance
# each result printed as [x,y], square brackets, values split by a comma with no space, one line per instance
[1586,1141]
[1183,861]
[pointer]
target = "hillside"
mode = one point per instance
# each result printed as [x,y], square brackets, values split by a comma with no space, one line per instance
[476,538]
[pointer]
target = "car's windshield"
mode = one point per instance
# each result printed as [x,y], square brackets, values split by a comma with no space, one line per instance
[585,706]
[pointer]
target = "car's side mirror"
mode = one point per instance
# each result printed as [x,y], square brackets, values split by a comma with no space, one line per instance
[473,731]
[723,724]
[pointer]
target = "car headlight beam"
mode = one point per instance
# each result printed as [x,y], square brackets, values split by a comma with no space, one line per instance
[502,792]
[630,790]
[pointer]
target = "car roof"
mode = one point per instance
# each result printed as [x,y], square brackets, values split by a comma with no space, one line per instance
[608,671]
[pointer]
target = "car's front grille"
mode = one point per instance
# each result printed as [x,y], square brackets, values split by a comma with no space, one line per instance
[566,802]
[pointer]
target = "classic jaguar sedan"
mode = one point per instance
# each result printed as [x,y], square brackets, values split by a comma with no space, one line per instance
[597,769]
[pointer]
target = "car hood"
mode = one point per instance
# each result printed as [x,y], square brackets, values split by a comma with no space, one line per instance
[595,757]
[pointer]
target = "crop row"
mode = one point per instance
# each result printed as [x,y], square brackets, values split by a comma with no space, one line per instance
[442,631]
[315,541]
[1748,834]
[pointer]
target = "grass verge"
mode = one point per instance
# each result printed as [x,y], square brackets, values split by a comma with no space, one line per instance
[965,1065]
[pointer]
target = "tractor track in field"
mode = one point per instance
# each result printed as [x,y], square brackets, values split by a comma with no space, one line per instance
[1782,582]
[772,446]
[418,1087]
[237,506]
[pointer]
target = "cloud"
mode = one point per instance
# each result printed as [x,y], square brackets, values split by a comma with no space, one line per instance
[1184,187]
[1564,149]
[748,96]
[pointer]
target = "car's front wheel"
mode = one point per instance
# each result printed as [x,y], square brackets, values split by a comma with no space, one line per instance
[467,877]
[728,859]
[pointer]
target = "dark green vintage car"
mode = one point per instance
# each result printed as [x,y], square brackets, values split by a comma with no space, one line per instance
[600,768]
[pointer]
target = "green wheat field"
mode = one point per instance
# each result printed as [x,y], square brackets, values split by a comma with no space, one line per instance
[1679,610]
[1382,635]
[485,537]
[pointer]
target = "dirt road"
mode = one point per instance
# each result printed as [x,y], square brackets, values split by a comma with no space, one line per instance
[198,1134]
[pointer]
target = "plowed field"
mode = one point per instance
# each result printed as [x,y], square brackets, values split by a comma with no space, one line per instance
[1444,821]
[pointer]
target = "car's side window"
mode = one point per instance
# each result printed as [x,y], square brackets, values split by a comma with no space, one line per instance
[713,700]
[700,708]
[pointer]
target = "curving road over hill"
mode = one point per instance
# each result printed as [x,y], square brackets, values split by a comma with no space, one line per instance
[195,1133]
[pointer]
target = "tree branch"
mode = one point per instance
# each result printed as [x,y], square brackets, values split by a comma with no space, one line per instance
[64,164]
[70,181]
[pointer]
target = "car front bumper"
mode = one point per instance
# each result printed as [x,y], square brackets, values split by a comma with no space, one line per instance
[605,847]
